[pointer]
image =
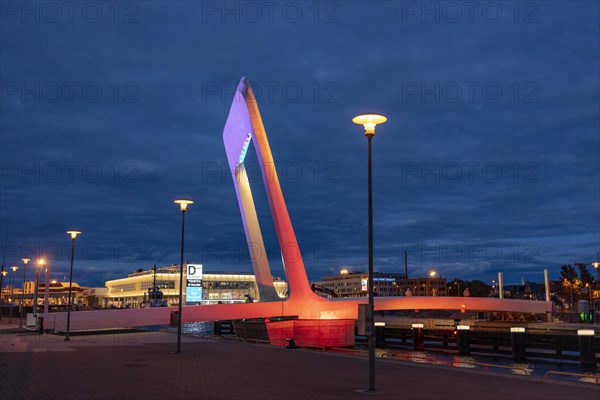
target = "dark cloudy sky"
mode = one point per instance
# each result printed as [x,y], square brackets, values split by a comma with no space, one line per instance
[489,160]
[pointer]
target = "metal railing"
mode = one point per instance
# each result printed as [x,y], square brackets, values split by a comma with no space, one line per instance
[596,378]
[343,349]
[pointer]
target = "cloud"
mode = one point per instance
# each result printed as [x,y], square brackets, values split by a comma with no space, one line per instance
[492,135]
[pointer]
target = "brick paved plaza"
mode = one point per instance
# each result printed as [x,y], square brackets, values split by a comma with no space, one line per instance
[143,366]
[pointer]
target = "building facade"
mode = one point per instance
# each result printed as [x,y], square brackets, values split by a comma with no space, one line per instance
[130,292]
[58,295]
[349,284]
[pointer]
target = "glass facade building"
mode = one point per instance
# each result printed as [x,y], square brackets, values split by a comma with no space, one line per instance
[217,288]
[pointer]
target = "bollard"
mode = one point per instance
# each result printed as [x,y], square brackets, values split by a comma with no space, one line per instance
[587,355]
[463,340]
[380,334]
[174,318]
[517,336]
[417,333]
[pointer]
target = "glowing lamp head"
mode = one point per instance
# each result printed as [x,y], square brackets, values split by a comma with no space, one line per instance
[14,268]
[184,203]
[41,262]
[432,274]
[4,273]
[369,121]
[596,264]
[343,271]
[73,234]
[25,260]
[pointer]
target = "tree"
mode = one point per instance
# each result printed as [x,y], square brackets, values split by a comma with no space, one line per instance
[478,288]
[456,287]
[584,275]
[567,272]
[570,282]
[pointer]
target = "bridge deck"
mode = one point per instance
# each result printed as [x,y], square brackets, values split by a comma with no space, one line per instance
[305,308]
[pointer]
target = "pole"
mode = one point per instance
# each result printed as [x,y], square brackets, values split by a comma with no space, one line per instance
[12,287]
[1,284]
[547,285]
[23,297]
[35,293]
[572,303]
[371,316]
[406,270]
[597,267]
[500,286]
[549,316]
[2,273]
[47,291]
[180,285]
[67,339]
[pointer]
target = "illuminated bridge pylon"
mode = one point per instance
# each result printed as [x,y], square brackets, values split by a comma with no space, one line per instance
[244,125]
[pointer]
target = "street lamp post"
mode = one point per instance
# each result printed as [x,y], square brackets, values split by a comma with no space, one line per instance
[406,271]
[183,206]
[73,236]
[25,261]
[597,268]
[432,275]
[47,283]
[2,275]
[369,121]
[14,269]
[40,263]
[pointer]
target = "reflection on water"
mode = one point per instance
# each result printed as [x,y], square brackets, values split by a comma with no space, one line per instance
[198,328]
[522,369]
[193,328]
[463,362]
[495,363]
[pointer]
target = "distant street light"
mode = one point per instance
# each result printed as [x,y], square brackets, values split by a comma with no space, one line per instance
[596,265]
[432,274]
[73,236]
[25,261]
[183,206]
[2,275]
[588,287]
[369,121]
[14,269]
